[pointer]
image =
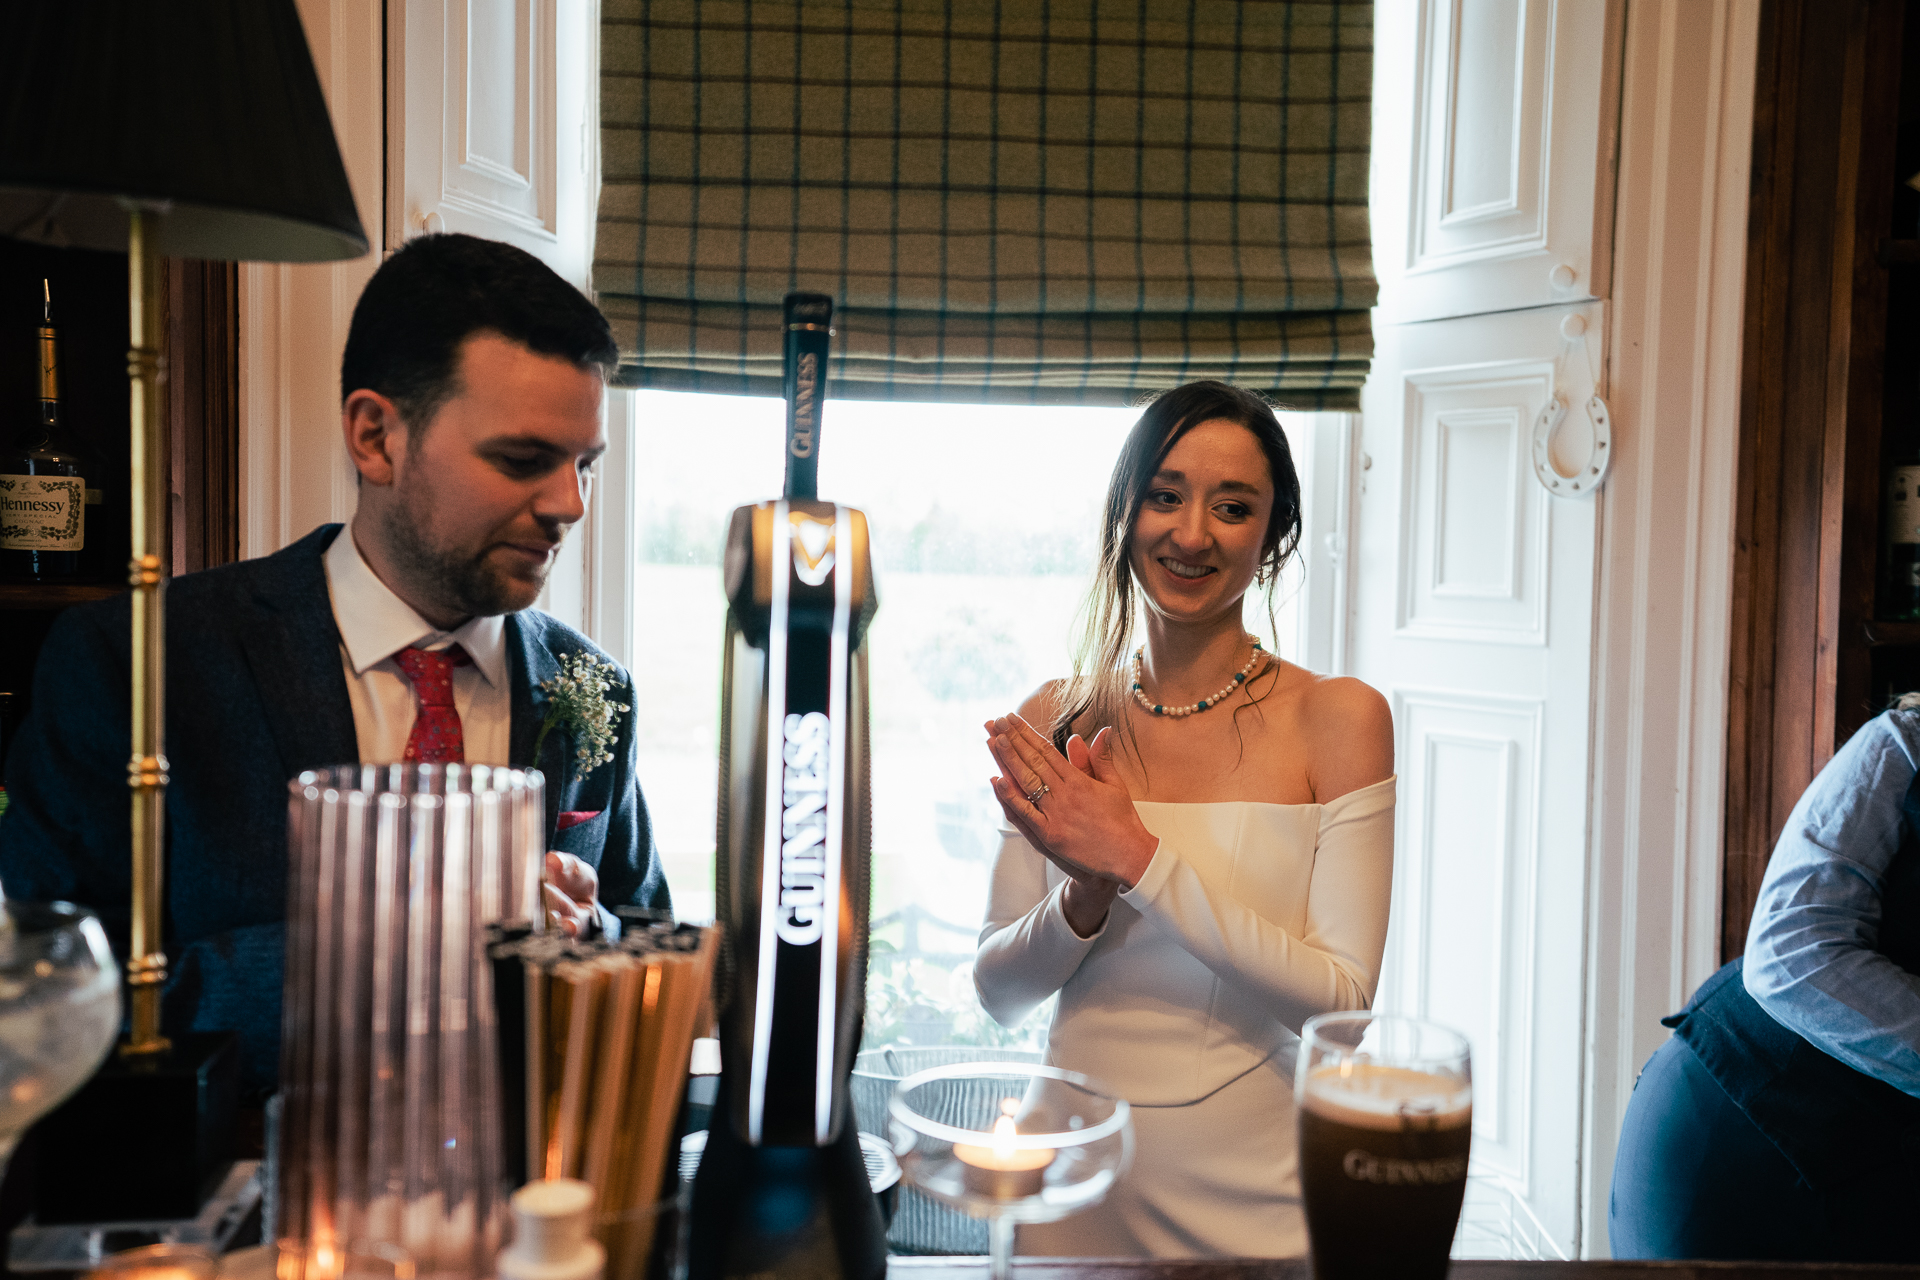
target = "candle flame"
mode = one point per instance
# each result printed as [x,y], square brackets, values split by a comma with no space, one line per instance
[1003,1135]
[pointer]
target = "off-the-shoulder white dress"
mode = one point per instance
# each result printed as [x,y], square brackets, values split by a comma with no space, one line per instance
[1250,919]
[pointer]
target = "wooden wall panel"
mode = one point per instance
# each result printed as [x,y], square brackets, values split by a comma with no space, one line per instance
[1806,511]
[203,413]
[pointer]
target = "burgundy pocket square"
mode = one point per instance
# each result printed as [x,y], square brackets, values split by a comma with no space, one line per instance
[574,817]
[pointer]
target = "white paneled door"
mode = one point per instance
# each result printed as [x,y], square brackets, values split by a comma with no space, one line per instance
[491,109]
[1474,616]
[1493,136]
[1473,586]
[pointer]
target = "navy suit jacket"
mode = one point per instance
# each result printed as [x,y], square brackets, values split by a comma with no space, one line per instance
[255,694]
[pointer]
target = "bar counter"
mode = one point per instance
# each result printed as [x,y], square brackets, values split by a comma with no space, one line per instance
[257,1264]
[1297,1269]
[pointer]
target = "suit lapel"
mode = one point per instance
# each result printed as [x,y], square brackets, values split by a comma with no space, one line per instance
[293,647]
[529,662]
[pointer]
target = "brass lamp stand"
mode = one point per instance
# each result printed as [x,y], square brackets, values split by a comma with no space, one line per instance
[165,1107]
[147,770]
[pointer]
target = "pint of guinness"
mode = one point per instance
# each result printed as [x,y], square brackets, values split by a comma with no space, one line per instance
[1386,1120]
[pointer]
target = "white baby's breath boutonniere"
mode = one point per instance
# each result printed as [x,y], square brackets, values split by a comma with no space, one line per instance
[577,702]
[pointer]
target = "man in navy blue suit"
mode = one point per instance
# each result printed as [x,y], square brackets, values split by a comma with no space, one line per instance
[472,389]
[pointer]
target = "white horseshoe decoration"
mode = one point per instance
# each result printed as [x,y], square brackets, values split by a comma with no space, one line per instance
[1592,472]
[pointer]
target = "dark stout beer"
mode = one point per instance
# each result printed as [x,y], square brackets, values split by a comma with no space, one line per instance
[1383,1167]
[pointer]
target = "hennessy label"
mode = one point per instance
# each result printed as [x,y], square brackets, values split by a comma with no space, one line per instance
[42,513]
[1903,505]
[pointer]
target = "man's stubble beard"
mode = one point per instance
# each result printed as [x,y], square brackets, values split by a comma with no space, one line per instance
[461,581]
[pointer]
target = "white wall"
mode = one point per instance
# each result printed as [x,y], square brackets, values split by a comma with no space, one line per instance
[294,472]
[1666,547]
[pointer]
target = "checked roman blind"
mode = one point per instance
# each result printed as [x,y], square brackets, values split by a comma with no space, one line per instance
[1038,201]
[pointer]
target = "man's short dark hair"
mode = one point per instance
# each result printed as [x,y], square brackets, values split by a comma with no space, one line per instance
[440,290]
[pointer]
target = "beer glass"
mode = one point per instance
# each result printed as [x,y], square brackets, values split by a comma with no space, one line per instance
[1386,1118]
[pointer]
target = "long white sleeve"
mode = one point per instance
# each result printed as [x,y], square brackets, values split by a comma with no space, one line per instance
[1332,961]
[1250,919]
[1027,950]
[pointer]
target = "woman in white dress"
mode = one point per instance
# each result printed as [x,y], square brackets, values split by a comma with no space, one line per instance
[1201,852]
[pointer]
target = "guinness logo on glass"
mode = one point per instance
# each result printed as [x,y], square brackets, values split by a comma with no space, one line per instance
[812,548]
[1364,1166]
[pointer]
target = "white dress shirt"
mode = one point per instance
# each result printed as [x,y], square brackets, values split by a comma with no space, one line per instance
[374,625]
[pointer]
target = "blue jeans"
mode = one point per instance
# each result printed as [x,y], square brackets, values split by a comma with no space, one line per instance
[1694,1178]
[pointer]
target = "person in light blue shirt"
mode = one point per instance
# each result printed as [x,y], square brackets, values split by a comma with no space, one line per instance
[1817,959]
[1782,1121]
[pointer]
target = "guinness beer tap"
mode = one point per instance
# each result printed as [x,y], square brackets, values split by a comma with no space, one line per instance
[782,1187]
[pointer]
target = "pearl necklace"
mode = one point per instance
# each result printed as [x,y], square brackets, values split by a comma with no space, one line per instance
[1240,678]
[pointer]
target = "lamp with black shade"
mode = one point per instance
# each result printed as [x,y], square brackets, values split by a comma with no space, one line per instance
[192,129]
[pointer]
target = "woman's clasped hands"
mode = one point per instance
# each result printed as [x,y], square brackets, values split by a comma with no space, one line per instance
[1075,810]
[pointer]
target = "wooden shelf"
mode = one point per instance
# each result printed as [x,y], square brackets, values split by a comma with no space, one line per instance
[1900,253]
[54,595]
[1881,635]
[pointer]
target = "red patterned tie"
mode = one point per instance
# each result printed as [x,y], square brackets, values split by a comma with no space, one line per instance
[436,737]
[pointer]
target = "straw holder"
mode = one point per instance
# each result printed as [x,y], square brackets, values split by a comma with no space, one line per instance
[389,1148]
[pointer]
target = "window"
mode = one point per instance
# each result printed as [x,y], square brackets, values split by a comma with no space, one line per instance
[985,526]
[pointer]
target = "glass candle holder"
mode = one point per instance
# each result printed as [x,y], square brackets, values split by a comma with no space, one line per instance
[158,1262]
[1010,1142]
[59,1009]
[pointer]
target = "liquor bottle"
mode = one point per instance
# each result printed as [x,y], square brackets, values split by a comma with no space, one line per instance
[1900,517]
[783,1187]
[43,490]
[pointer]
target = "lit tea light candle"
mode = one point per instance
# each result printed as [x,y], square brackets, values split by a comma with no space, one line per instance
[158,1262]
[1002,1170]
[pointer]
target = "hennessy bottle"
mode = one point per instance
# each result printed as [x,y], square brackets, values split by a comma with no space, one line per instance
[43,490]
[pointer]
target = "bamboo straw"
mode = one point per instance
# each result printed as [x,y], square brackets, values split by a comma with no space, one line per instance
[628,979]
[609,1029]
[587,983]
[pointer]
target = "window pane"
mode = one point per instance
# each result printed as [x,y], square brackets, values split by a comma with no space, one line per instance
[985,525]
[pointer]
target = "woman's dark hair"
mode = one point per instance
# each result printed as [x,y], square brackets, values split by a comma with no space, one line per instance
[1098,688]
[437,292]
